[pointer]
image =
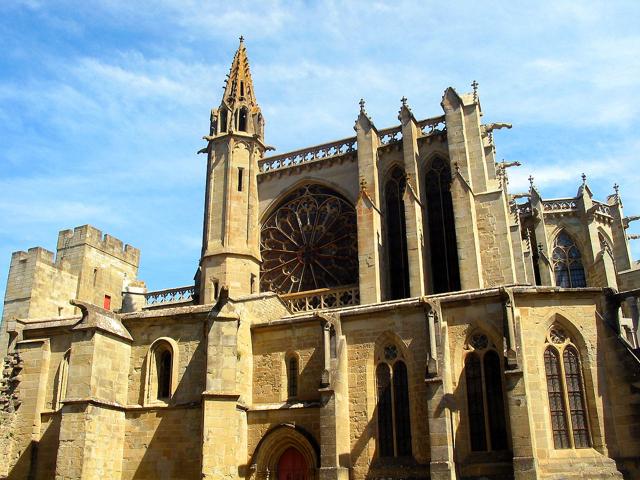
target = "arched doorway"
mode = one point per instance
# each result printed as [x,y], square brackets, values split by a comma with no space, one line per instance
[292,465]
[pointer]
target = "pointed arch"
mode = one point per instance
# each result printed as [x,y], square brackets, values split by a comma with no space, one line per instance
[309,242]
[393,409]
[486,409]
[568,409]
[443,251]
[292,367]
[396,233]
[224,120]
[567,262]
[243,119]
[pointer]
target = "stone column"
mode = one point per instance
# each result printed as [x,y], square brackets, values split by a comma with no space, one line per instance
[93,418]
[542,244]
[412,205]
[370,241]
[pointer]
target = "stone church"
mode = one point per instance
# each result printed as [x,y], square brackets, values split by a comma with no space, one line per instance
[376,307]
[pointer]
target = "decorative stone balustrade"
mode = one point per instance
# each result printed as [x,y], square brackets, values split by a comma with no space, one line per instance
[390,135]
[560,205]
[305,155]
[432,126]
[603,209]
[169,296]
[322,298]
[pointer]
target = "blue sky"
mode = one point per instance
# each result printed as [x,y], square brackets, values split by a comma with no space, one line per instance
[103,104]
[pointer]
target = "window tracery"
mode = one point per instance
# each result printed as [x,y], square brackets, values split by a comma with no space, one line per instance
[309,242]
[485,397]
[441,224]
[394,422]
[565,388]
[396,230]
[567,262]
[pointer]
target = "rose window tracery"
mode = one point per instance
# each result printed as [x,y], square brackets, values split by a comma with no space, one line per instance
[309,242]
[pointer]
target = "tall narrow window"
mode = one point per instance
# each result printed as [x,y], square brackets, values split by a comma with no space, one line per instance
[242,120]
[242,89]
[442,229]
[485,397]
[567,263]
[224,120]
[565,387]
[292,376]
[394,422]
[161,370]
[397,256]
[164,375]
[240,174]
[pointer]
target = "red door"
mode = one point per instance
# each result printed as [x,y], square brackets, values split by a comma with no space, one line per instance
[292,466]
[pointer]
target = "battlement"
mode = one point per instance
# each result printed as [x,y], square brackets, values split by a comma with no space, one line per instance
[89,235]
[35,254]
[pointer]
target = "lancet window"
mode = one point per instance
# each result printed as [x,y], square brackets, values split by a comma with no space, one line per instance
[309,242]
[442,229]
[397,256]
[485,398]
[292,376]
[242,119]
[565,387]
[567,262]
[394,423]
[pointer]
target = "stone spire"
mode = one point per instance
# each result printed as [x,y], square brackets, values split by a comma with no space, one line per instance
[239,110]
[238,84]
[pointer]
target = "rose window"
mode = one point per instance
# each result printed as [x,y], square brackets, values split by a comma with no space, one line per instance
[309,242]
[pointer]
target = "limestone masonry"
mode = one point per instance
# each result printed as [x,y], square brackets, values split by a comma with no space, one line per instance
[377,307]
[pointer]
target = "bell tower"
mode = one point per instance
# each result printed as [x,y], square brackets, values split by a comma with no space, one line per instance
[231,239]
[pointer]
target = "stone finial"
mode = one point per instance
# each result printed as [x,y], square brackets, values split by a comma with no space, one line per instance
[404,101]
[361,103]
[616,188]
[584,179]
[241,39]
[530,181]
[475,86]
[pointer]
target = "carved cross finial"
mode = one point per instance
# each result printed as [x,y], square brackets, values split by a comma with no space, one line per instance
[531,181]
[361,105]
[241,39]
[404,101]
[584,179]
[475,85]
[616,187]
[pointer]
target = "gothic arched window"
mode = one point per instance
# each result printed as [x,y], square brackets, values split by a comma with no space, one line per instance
[224,120]
[164,375]
[565,387]
[397,256]
[310,241]
[442,229]
[292,376]
[394,423]
[567,263]
[485,398]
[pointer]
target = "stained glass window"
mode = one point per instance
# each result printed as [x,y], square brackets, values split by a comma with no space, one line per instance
[309,242]
[567,405]
[396,235]
[442,231]
[567,263]
[485,396]
[394,421]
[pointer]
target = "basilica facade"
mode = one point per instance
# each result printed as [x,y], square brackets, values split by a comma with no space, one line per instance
[376,307]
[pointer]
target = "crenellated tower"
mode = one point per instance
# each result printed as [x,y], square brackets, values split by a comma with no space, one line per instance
[231,245]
